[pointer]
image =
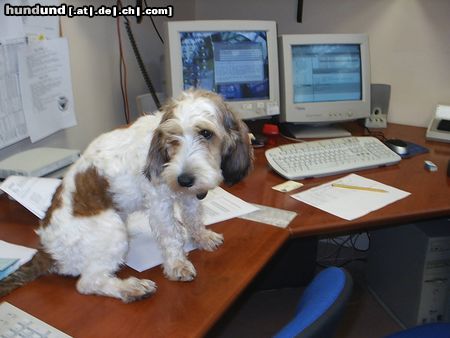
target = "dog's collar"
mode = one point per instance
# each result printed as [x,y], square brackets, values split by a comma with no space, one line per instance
[202,195]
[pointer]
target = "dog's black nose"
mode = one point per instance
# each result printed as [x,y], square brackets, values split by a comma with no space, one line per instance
[186,180]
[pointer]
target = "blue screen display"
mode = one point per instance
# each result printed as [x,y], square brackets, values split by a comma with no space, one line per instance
[233,64]
[327,72]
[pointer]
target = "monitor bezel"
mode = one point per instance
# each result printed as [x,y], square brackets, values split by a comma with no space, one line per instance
[322,112]
[246,109]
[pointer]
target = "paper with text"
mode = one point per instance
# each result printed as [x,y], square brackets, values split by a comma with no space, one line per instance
[11,27]
[34,193]
[13,127]
[350,204]
[41,26]
[46,87]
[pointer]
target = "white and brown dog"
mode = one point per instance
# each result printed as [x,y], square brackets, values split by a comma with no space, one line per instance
[172,157]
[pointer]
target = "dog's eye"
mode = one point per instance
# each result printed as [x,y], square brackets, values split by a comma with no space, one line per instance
[206,133]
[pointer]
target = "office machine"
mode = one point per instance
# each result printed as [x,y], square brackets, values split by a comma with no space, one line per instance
[236,59]
[325,79]
[38,162]
[409,271]
[439,126]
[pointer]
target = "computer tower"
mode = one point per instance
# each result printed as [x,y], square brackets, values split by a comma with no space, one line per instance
[409,271]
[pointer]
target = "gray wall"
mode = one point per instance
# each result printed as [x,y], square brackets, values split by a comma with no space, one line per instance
[409,39]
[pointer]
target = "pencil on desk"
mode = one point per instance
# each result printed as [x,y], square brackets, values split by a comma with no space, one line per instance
[354,187]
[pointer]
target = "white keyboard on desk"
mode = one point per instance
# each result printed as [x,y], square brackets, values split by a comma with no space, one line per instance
[17,323]
[329,157]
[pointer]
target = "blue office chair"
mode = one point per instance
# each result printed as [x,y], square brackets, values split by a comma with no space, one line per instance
[435,330]
[321,305]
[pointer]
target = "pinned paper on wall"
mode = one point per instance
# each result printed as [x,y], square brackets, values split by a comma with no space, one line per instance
[46,87]
[36,97]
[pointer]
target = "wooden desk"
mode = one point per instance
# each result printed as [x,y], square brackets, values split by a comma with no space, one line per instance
[430,191]
[177,309]
[191,309]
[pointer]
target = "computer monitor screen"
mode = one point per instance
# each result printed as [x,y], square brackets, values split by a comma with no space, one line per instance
[325,78]
[324,73]
[233,64]
[240,64]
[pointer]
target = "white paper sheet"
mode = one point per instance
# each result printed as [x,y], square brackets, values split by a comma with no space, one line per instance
[46,87]
[34,193]
[11,27]
[13,127]
[8,250]
[41,26]
[350,204]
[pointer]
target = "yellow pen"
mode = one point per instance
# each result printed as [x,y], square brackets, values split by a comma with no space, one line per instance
[354,187]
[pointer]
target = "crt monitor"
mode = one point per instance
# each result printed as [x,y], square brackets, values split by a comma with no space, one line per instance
[325,79]
[236,59]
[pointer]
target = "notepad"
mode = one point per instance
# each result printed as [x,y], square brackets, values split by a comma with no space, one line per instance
[350,204]
[13,256]
[6,263]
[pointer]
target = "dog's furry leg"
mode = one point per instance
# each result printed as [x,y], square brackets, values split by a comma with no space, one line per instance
[102,260]
[170,236]
[192,216]
[128,290]
[39,265]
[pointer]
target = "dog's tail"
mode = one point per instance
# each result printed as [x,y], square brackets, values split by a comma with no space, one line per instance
[39,265]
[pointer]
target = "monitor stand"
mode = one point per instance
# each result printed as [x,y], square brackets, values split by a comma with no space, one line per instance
[301,131]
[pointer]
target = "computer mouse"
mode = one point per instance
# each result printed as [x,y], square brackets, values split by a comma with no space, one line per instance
[398,146]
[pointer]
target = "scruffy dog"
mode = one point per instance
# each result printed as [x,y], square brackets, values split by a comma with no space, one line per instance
[172,157]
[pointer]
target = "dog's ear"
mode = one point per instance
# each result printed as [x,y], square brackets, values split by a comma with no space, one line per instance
[237,152]
[158,154]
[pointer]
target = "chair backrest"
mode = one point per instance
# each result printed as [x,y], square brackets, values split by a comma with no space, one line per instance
[321,305]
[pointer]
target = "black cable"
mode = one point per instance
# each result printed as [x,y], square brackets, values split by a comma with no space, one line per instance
[378,134]
[141,65]
[352,239]
[154,25]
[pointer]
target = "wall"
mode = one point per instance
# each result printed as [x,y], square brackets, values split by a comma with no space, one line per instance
[94,62]
[409,40]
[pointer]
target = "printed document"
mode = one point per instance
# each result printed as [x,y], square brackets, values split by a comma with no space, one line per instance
[13,127]
[347,203]
[46,87]
[34,193]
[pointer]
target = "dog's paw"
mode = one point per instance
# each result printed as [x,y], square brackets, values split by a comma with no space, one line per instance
[208,240]
[181,270]
[135,289]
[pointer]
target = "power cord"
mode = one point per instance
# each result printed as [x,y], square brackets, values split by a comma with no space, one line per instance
[154,26]
[333,258]
[141,65]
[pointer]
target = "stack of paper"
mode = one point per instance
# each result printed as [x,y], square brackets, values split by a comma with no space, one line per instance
[12,256]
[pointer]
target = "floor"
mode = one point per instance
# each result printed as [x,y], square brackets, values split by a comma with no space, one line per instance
[262,313]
